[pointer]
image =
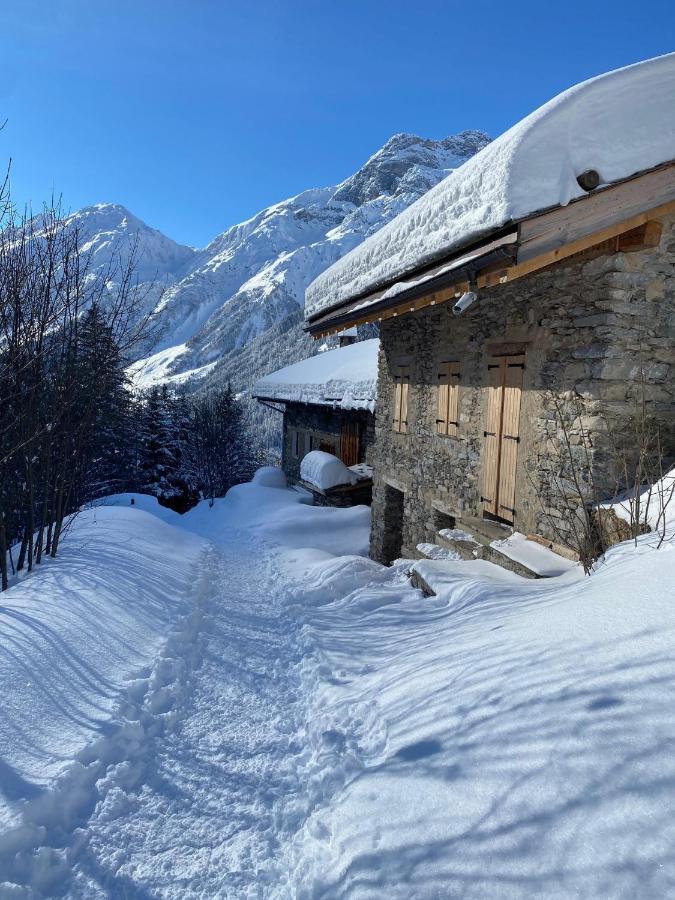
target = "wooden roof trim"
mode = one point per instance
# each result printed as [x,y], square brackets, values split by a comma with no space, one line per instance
[505,237]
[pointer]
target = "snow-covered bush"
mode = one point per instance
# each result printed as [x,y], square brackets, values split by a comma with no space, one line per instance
[270,476]
[325,471]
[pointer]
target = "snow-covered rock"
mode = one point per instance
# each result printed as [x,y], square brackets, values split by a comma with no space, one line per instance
[345,378]
[618,124]
[325,471]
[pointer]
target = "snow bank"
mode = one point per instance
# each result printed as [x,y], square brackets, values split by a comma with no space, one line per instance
[270,476]
[79,637]
[285,519]
[619,123]
[346,378]
[325,471]
[656,505]
[144,502]
[508,738]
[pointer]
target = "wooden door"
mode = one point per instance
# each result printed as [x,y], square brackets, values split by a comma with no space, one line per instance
[349,443]
[502,435]
[510,435]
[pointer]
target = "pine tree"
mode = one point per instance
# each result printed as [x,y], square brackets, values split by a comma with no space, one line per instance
[164,469]
[105,400]
[222,450]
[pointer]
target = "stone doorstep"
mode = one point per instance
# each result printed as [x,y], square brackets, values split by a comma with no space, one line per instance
[469,552]
[494,555]
[466,549]
[484,531]
[418,582]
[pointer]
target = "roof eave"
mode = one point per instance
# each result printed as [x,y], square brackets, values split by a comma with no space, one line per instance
[651,190]
[486,254]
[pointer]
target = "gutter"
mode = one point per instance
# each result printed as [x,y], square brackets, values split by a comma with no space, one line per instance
[494,253]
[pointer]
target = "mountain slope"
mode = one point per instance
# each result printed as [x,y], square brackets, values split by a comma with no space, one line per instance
[233,310]
[220,301]
[276,254]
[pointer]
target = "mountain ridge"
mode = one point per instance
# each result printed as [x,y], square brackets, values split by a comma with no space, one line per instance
[220,303]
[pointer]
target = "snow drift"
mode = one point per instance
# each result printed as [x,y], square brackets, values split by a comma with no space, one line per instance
[505,739]
[619,123]
[325,471]
[86,635]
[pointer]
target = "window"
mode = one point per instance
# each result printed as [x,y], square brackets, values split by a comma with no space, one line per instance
[295,443]
[401,385]
[301,443]
[447,417]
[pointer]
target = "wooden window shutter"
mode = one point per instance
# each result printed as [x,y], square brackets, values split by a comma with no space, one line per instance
[492,436]
[405,386]
[401,386]
[510,435]
[447,416]
[397,402]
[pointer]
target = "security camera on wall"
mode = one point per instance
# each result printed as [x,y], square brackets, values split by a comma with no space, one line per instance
[464,302]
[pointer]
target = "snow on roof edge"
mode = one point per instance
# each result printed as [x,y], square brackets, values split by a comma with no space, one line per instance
[344,378]
[531,167]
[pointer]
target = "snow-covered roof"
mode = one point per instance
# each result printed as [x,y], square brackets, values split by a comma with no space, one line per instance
[618,124]
[345,378]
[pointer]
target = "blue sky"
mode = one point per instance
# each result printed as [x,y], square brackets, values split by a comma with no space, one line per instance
[195,113]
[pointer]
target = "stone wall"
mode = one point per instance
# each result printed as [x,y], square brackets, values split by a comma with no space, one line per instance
[324,424]
[596,334]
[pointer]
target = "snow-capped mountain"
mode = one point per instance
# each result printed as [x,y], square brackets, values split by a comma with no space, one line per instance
[223,303]
[107,228]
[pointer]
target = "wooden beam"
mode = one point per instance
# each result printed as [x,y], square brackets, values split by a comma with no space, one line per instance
[596,212]
[512,273]
[644,237]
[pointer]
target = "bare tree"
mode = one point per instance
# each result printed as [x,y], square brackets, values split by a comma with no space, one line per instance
[584,514]
[66,332]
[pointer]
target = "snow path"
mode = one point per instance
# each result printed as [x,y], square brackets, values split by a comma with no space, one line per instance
[217,794]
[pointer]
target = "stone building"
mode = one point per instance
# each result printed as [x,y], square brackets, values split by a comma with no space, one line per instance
[328,403]
[527,320]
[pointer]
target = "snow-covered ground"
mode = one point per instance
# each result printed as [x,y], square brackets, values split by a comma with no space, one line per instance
[237,703]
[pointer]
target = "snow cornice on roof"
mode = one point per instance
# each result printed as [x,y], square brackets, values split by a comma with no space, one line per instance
[616,125]
[345,378]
